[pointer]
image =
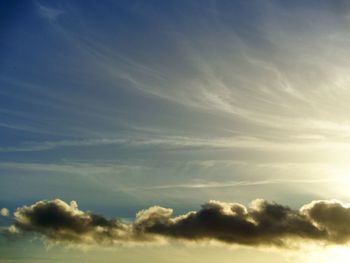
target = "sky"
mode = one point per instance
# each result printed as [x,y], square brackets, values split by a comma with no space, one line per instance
[174,131]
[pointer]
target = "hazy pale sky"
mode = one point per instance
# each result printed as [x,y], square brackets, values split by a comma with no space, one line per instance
[155,108]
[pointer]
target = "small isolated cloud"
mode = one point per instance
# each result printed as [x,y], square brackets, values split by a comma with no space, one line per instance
[4,212]
[261,223]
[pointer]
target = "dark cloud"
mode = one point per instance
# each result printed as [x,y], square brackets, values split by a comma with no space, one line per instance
[331,215]
[262,223]
[62,222]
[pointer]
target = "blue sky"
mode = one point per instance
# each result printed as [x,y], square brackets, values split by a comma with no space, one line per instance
[122,105]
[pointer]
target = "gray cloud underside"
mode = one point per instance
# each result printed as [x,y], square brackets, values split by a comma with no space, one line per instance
[261,223]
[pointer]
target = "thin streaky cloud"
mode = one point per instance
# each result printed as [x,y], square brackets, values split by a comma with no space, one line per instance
[180,141]
[48,12]
[243,183]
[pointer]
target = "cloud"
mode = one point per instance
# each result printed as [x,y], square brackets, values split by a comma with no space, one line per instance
[181,142]
[62,222]
[48,12]
[331,215]
[261,223]
[4,212]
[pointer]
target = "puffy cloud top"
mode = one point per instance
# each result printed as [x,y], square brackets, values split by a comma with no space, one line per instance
[59,221]
[261,223]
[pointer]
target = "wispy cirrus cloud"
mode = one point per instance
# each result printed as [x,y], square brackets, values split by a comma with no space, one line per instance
[184,142]
[240,183]
[49,13]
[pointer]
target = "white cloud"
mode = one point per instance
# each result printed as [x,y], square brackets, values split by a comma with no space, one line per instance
[4,212]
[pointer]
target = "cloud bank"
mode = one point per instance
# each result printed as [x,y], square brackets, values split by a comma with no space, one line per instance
[260,224]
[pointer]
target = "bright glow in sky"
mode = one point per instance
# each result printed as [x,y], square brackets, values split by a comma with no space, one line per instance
[125,105]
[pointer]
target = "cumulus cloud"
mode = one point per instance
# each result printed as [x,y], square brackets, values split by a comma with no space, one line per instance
[4,212]
[260,223]
[332,215]
[62,222]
